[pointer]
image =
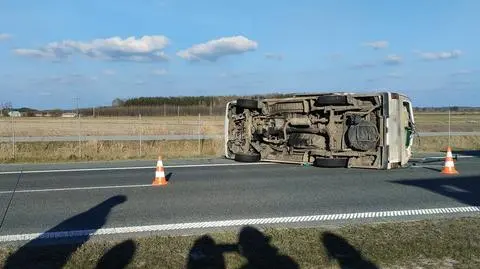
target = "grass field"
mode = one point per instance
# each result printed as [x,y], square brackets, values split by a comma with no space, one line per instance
[426,122]
[439,244]
[438,122]
[121,150]
[111,126]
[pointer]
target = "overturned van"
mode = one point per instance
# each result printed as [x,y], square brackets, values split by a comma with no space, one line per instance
[361,130]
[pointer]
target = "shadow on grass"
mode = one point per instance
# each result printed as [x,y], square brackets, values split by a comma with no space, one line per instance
[252,245]
[118,257]
[46,251]
[465,189]
[347,256]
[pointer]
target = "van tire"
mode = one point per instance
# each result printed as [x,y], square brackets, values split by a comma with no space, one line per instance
[247,157]
[331,162]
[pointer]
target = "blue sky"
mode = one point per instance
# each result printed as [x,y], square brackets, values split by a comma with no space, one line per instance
[54,50]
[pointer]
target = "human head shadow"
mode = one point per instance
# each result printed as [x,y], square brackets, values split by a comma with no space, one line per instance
[465,189]
[260,254]
[118,257]
[347,255]
[46,251]
[252,244]
[205,253]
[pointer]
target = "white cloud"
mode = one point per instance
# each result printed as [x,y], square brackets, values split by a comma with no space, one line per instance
[442,55]
[394,75]
[109,72]
[381,44]
[5,36]
[274,56]
[215,49]
[231,75]
[33,53]
[146,48]
[363,66]
[65,79]
[160,72]
[393,59]
[335,56]
[462,72]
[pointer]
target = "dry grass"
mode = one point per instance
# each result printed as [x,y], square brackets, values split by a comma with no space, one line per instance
[438,122]
[440,244]
[426,122]
[108,150]
[111,126]
[118,150]
[440,143]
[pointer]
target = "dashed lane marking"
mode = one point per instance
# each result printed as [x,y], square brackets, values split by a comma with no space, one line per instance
[237,222]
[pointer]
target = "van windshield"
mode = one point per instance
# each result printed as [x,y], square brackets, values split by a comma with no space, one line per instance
[408,123]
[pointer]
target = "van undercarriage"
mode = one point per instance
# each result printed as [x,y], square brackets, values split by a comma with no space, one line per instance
[329,130]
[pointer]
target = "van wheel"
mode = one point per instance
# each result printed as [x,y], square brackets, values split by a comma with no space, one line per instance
[331,100]
[247,157]
[331,162]
[247,104]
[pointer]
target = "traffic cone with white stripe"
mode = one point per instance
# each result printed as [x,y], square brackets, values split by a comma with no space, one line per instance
[160,178]
[449,167]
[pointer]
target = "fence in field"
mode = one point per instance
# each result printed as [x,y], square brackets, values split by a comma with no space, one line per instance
[138,130]
[141,129]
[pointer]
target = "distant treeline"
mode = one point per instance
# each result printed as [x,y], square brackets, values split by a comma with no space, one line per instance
[445,109]
[182,106]
[188,100]
[159,110]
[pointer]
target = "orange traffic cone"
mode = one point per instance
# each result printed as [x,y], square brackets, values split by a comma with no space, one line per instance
[449,167]
[160,178]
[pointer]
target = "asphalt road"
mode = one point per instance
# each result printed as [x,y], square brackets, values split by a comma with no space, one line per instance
[162,137]
[217,190]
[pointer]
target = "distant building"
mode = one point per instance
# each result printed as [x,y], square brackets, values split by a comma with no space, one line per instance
[14,114]
[69,115]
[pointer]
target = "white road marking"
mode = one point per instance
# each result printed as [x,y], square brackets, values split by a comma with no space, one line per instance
[238,222]
[78,188]
[129,168]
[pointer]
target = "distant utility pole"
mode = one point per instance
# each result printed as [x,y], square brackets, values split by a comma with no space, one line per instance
[13,137]
[78,125]
[449,125]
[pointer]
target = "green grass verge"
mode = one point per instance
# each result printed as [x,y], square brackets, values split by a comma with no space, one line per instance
[447,243]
